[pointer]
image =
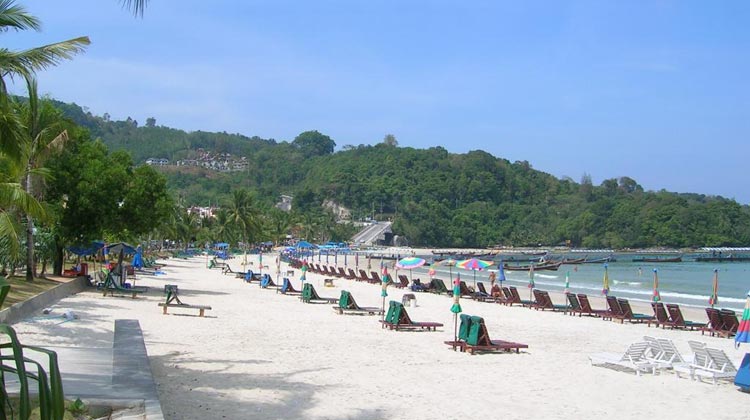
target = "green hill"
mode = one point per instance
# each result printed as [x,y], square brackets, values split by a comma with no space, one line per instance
[435,198]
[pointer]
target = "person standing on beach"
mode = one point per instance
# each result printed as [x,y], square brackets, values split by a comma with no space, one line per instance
[493,277]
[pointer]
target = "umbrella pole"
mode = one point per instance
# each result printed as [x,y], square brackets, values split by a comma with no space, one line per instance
[455,331]
[382,313]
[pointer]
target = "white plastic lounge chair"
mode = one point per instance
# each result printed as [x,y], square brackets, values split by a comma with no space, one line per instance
[719,367]
[664,353]
[635,358]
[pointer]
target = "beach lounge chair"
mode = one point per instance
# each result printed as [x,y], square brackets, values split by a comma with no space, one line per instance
[586,308]
[266,281]
[439,287]
[730,321]
[375,277]
[398,319]
[574,306]
[517,298]
[403,281]
[482,293]
[173,301]
[715,324]
[287,288]
[613,308]
[479,339]
[464,289]
[634,358]
[463,333]
[628,315]
[342,274]
[709,363]
[351,275]
[544,301]
[347,305]
[363,276]
[664,353]
[309,295]
[660,314]
[112,286]
[676,320]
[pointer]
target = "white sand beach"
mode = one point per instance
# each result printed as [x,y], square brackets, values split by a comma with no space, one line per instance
[262,355]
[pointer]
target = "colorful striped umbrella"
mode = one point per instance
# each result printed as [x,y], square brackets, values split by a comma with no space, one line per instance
[456,308]
[714,299]
[743,331]
[474,264]
[567,282]
[410,263]
[605,287]
[657,296]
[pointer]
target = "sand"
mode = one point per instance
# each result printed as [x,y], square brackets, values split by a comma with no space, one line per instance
[262,355]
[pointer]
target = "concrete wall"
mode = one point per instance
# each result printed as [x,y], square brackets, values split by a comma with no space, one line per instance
[22,310]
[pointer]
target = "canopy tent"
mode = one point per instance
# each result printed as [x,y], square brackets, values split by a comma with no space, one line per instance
[90,249]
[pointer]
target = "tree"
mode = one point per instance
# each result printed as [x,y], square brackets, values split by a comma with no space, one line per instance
[44,135]
[390,140]
[313,143]
[151,122]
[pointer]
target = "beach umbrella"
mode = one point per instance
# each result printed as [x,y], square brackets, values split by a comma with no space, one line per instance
[410,263]
[743,330]
[656,296]
[501,273]
[384,292]
[369,262]
[278,268]
[474,264]
[605,286]
[714,299]
[567,282]
[303,277]
[356,261]
[260,262]
[138,258]
[456,308]
[531,281]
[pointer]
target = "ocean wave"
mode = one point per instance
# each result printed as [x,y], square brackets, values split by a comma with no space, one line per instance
[629,283]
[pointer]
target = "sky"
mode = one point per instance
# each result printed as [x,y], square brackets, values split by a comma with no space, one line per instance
[654,90]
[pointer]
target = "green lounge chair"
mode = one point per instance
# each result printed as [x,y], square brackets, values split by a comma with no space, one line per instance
[398,319]
[463,333]
[439,287]
[479,339]
[4,289]
[111,286]
[347,305]
[309,295]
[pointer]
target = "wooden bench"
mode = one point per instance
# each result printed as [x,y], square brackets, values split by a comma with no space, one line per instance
[201,308]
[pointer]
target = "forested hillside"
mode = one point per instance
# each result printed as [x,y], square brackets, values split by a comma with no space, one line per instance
[435,198]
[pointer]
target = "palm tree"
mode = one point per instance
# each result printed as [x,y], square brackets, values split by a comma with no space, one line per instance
[243,214]
[44,135]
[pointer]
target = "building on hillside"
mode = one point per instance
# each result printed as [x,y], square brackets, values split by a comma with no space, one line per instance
[203,212]
[157,161]
[286,203]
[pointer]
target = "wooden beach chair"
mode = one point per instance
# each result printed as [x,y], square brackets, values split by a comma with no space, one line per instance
[463,333]
[586,308]
[729,321]
[628,315]
[342,274]
[660,314]
[715,324]
[266,281]
[375,277]
[310,295]
[676,320]
[347,305]
[479,340]
[517,298]
[363,276]
[351,275]
[403,281]
[574,306]
[398,319]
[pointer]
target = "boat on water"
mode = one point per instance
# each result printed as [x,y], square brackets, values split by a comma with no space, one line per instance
[574,260]
[658,259]
[537,267]
[600,260]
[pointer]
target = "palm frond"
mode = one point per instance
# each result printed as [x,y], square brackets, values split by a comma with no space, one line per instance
[135,6]
[13,16]
[25,63]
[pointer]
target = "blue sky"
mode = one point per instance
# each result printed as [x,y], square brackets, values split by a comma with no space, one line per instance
[655,90]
